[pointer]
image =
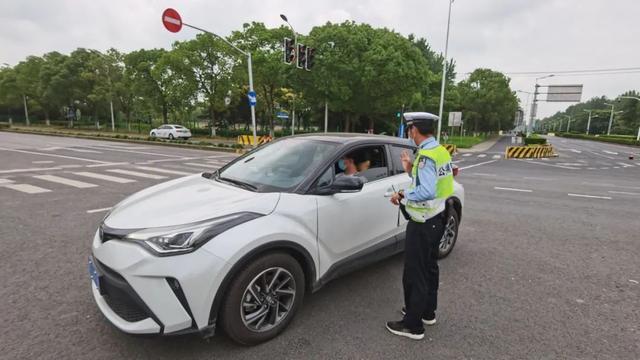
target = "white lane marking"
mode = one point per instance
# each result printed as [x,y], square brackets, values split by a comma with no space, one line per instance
[496,156]
[623,192]
[149,162]
[576,151]
[591,168]
[28,170]
[604,168]
[478,164]
[625,165]
[457,161]
[552,165]
[26,188]
[82,150]
[165,171]
[98,210]
[537,178]
[138,174]
[604,156]
[5,181]
[104,177]
[141,152]
[69,166]
[570,164]
[107,164]
[512,189]
[482,155]
[42,162]
[483,174]
[54,155]
[616,167]
[590,196]
[208,166]
[51,148]
[467,154]
[610,152]
[64,181]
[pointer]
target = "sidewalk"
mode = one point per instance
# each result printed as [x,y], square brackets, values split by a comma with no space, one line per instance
[482,147]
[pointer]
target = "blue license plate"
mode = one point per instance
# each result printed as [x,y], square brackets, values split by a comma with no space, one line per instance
[93,273]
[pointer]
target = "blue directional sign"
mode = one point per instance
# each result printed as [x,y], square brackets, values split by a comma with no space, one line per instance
[253,98]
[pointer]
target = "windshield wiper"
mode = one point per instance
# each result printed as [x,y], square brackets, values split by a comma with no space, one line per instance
[242,184]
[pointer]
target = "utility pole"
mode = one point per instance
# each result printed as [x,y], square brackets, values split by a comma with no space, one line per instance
[326,116]
[444,73]
[26,111]
[610,118]
[589,121]
[569,122]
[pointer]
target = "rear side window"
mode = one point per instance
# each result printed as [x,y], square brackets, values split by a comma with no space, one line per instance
[396,153]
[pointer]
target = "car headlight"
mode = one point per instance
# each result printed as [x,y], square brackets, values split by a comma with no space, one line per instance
[180,239]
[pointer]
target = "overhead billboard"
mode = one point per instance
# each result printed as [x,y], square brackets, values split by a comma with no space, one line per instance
[564,93]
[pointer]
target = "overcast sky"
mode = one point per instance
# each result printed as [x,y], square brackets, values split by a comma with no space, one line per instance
[505,35]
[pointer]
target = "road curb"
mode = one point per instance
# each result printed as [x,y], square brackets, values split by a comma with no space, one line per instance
[138,141]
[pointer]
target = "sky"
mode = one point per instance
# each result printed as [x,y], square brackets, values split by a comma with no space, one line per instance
[506,35]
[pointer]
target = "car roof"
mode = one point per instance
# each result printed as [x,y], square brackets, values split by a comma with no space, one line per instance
[354,138]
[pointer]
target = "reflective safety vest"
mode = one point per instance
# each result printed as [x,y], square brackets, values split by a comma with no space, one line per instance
[421,211]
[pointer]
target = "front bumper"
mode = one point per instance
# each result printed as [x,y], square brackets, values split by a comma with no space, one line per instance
[140,293]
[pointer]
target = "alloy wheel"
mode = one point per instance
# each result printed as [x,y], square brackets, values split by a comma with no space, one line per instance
[268,299]
[449,234]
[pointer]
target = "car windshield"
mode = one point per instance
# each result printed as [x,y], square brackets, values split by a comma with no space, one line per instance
[279,166]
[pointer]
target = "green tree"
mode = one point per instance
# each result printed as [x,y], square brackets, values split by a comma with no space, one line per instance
[488,103]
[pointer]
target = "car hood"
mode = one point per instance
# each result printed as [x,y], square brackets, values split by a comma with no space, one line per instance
[186,200]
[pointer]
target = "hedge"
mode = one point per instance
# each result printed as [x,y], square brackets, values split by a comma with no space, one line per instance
[534,141]
[609,139]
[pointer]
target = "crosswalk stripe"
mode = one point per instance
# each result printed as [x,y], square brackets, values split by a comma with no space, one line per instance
[482,155]
[625,164]
[468,154]
[138,174]
[5,181]
[104,177]
[496,156]
[164,171]
[208,166]
[82,150]
[64,181]
[26,188]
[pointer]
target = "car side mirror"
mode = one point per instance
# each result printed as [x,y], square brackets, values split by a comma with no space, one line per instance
[342,184]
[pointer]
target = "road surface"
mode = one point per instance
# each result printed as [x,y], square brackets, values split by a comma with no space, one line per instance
[546,265]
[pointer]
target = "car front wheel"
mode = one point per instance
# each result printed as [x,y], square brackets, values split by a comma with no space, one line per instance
[153,134]
[450,235]
[170,136]
[263,299]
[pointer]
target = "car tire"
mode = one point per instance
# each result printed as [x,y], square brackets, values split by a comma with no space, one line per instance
[450,235]
[249,319]
[153,134]
[170,136]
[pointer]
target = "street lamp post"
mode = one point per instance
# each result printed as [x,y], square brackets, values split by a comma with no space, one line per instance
[250,68]
[534,107]
[526,106]
[444,73]
[634,98]
[569,122]
[26,111]
[589,121]
[610,117]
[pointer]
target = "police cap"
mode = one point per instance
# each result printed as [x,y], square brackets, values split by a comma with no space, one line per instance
[425,118]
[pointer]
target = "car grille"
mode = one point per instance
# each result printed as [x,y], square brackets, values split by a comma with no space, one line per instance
[119,295]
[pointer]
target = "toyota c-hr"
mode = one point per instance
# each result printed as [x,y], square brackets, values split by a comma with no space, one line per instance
[241,247]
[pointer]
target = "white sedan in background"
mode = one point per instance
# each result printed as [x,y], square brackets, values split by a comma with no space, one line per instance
[171,132]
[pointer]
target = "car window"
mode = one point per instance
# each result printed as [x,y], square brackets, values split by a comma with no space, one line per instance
[280,165]
[178,127]
[369,162]
[396,153]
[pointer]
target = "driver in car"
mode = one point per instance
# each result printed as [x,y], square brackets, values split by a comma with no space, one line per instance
[348,166]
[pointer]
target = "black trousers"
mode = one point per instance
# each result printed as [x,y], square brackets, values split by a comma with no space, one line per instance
[421,274]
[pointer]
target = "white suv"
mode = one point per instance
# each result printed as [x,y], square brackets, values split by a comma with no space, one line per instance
[239,248]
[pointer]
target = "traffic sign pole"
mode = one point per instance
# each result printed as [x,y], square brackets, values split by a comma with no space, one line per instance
[173,22]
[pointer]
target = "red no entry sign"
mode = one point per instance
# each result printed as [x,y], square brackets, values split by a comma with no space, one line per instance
[171,20]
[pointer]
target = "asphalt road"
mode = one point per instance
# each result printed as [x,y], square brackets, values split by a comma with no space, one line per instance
[547,264]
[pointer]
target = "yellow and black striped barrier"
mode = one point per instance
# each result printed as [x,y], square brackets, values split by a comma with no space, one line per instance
[248,139]
[451,148]
[527,152]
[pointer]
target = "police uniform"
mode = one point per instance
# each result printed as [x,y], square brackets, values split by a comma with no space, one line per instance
[424,203]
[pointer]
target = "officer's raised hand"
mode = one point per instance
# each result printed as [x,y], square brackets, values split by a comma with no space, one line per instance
[407,162]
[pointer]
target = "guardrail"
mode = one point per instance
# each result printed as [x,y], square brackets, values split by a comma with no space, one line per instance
[528,152]
[451,148]
[248,139]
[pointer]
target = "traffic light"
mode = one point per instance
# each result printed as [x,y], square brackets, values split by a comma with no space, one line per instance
[289,51]
[302,56]
[311,54]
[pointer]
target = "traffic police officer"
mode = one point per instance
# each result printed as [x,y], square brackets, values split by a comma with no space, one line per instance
[423,204]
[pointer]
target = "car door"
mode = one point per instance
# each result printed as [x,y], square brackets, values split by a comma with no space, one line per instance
[353,225]
[401,180]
